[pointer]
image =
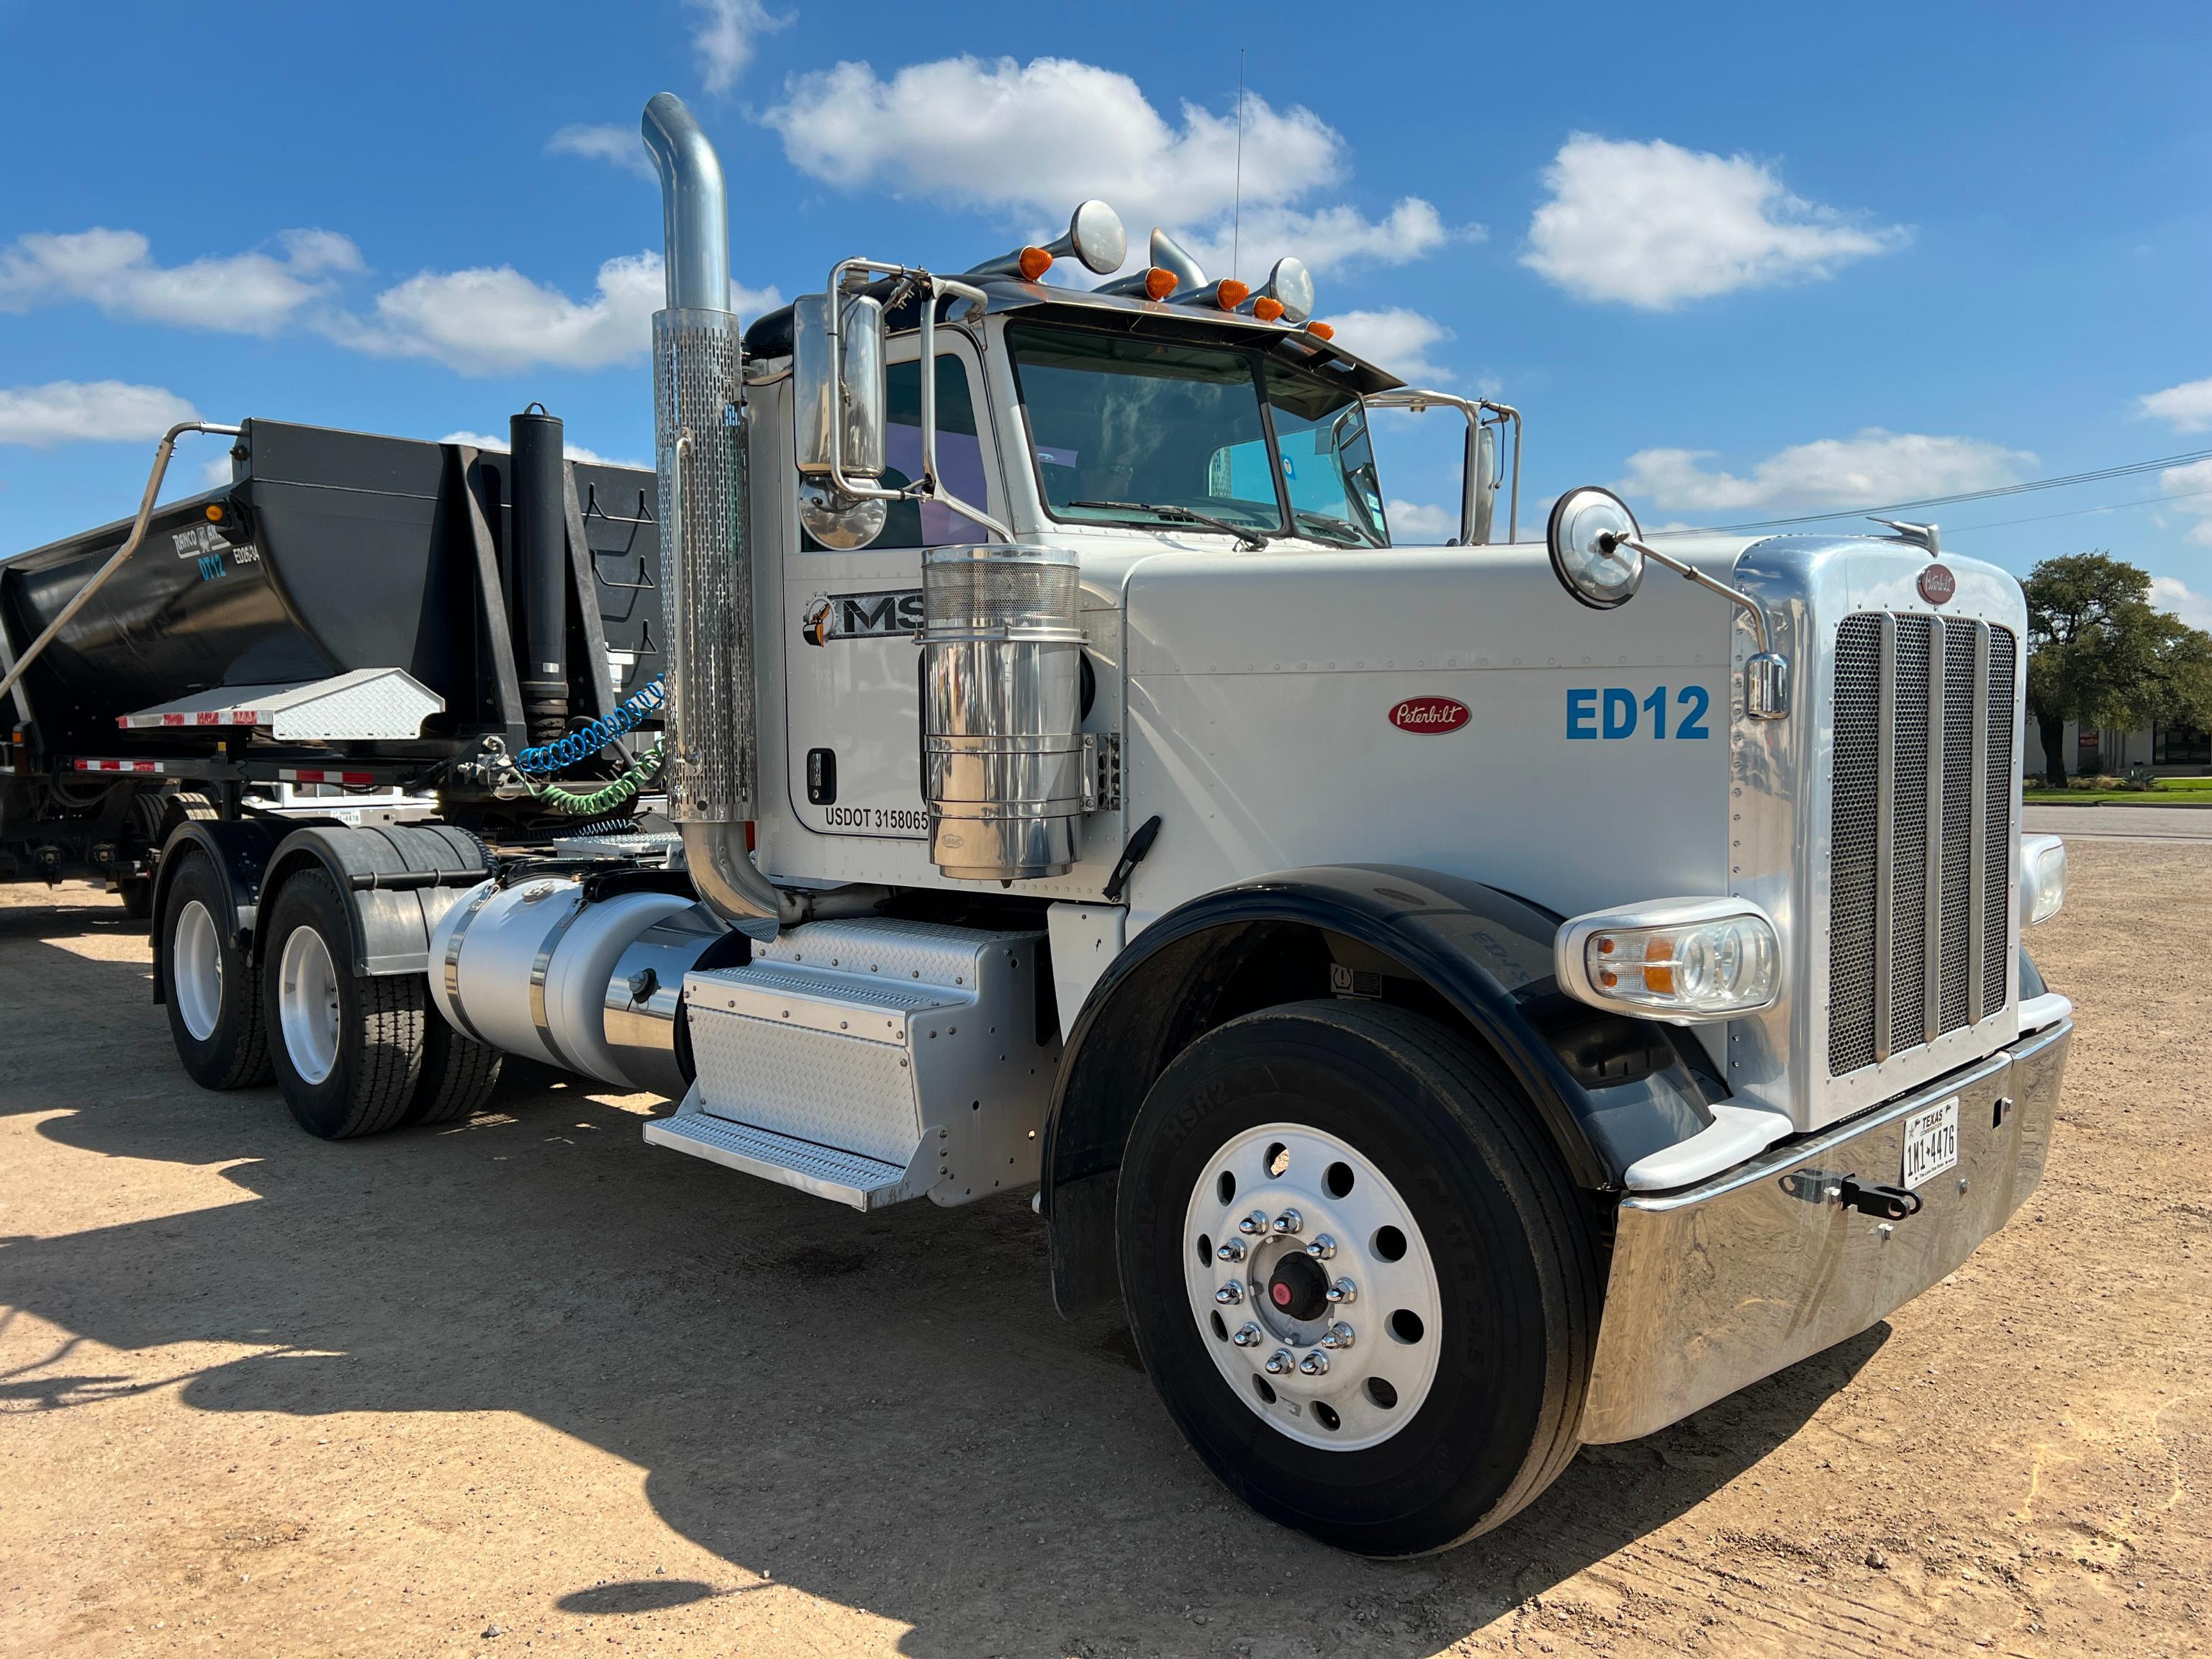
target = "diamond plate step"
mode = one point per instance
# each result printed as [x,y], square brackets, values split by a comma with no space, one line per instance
[911,1046]
[865,1183]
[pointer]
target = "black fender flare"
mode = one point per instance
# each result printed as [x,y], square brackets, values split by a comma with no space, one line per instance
[239,848]
[399,880]
[1604,1088]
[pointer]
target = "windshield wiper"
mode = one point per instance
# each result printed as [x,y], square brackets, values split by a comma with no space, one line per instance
[1250,540]
[1341,532]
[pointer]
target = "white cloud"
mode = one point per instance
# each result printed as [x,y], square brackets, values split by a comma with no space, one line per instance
[574,452]
[1652,225]
[1870,467]
[2172,593]
[79,411]
[494,319]
[617,146]
[2193,482]
[1397,339]
[1028,140]
[251,292]
[2188,406]
[724,38]
[217,471]
[1410,522]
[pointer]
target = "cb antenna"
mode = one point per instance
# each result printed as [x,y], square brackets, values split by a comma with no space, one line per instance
[1236,208]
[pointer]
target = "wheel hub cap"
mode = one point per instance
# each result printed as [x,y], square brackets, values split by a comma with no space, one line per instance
[1312,1286]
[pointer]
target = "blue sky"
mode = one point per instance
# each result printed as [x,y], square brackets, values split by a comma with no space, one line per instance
[1741,262]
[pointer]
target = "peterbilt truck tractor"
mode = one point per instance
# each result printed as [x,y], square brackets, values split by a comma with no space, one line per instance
[1005,752]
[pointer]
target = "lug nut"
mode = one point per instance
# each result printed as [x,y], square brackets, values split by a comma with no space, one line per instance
[1280,1363]
[1324,1248]
[1248,1336]
[1231,1251]
[1344,1291]
[1289,1222]
[1339,1335]
[1229,1294]
[1254,1222]
[1313,1365]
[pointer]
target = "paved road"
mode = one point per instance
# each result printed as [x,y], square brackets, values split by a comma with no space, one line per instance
[2123,822]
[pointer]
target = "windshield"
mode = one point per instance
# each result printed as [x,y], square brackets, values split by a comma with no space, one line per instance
[1130,430]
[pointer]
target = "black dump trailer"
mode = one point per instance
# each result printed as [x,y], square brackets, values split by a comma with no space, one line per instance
[351,615]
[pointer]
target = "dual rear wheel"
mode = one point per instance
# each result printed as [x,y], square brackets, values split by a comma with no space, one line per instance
[352,1054]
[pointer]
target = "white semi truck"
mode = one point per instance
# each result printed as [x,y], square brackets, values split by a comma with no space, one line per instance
[1460,1019]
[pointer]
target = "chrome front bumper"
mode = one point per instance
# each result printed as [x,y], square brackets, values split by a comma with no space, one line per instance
[1719,1285]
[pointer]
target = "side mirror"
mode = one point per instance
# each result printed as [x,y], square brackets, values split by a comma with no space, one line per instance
[838,410]
[1597,548]
[1479,477]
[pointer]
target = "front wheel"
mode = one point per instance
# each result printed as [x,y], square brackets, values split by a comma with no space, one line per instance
[1359,1278]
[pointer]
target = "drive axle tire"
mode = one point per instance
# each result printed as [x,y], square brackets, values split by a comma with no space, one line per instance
[1358,1275]
[459,1073]
[208,983]
[348,1048]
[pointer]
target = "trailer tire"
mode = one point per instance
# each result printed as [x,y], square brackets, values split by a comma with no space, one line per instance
[209,985]
[1385,1132]
[459,1073]
[348,1047]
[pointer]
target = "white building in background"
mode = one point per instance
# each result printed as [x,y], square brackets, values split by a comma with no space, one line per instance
[2167,751]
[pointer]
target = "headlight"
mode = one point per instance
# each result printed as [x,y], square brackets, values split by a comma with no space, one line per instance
[1681,960]
[2042,878]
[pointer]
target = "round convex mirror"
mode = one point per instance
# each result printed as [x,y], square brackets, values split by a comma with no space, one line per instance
[838,521]
[1095,236]
[1587,538]
[1292,284]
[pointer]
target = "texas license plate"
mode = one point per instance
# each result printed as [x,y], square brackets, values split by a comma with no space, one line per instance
[1931,1141]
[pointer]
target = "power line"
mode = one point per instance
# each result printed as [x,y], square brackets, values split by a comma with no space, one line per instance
[2076,513]
[2097,475]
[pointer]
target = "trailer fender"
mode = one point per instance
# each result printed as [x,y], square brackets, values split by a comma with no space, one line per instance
[1605,1089]
[398,879]
[241,849]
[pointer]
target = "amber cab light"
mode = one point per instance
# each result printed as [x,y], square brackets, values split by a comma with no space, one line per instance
[1232,293]
[1320,330]
[1266,310]
[1159,283]
[1035,263]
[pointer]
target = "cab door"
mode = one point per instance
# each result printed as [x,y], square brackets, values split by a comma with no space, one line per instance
[853,717]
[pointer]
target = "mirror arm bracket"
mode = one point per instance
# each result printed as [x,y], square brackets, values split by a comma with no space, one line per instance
[1767,674]
[929,488]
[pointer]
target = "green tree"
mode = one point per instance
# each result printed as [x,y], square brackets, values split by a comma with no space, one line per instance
[2100,652]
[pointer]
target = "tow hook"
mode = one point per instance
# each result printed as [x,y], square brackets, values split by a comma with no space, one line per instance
[1868,1197]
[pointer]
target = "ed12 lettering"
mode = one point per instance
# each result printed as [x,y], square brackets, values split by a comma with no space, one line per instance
[1615,711]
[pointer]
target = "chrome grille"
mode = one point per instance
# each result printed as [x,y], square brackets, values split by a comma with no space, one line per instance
[1920,872]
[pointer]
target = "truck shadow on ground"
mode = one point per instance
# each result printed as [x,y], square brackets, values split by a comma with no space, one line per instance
[881,1410]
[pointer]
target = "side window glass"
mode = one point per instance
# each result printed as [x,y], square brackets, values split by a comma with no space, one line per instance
[959,459]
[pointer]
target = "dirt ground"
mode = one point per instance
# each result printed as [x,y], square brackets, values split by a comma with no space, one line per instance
[526,1383]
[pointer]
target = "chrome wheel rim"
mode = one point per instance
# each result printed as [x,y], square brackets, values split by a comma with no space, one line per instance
[1277,1211]
[196,971]
[307,1005]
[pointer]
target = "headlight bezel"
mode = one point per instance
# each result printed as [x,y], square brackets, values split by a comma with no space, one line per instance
[1652,986]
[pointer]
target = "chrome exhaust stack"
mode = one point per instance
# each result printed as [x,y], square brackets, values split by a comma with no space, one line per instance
[707,573]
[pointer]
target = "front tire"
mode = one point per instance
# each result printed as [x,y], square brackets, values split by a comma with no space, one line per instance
[1357,1149]
[208,983]
[348,1048]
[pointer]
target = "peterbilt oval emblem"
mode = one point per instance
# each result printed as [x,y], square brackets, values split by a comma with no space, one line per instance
[1430,714]
[1937,584]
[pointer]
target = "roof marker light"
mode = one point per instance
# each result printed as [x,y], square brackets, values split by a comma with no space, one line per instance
[1159,283]
[1033,263]
[1320,330]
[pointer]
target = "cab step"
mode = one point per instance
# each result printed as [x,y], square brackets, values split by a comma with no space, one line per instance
[870,1060]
